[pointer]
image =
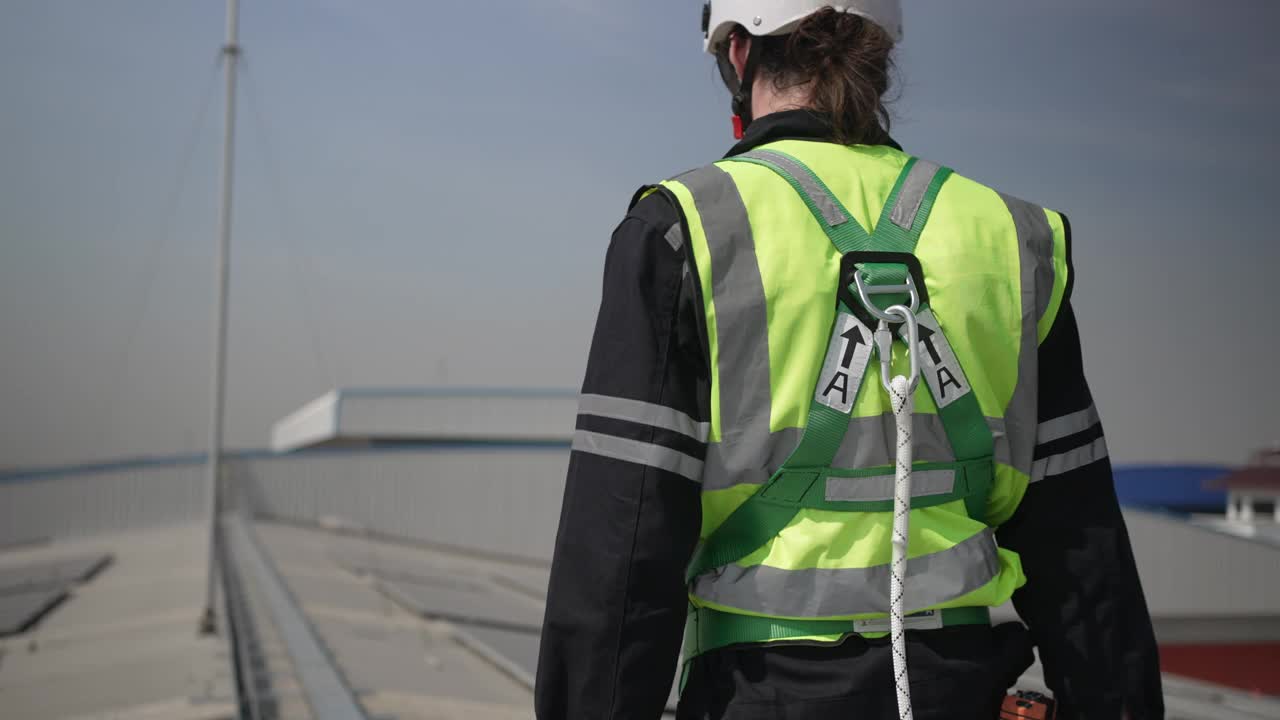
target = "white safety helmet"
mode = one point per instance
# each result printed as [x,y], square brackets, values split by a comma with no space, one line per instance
[779,17]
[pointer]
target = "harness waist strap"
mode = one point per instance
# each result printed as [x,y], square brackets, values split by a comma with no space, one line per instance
[709,629]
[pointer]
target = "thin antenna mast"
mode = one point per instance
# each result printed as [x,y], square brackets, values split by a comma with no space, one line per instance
[230,54]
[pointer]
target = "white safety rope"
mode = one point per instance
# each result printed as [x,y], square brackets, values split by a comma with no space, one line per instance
[900,394]
[901,388]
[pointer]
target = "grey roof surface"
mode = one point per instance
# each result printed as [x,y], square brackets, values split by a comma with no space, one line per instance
[415,632]
[493,608]
[419,585]
[398,663]
[124,645]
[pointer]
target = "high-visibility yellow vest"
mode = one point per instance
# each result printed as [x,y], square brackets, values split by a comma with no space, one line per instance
[995,269]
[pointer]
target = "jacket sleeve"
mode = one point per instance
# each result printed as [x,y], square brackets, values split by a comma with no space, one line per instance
[617,601]
[1083,601]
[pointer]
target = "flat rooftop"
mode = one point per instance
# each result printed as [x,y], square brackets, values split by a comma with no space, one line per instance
[411,632]
[431,633]
[122,643]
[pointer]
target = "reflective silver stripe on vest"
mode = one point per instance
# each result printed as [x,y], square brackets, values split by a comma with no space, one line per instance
[644,413]
[642,453]
[737,293]
[1065,425]
[1069,460]
[820,198]
[824,592]
[1035,258]
[912,193]
[1035,237]
[924,483]
[870,442]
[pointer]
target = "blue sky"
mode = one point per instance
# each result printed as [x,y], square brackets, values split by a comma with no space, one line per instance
[425,192]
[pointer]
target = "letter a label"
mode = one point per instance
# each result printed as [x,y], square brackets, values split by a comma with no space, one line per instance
[846,363]
[938,363]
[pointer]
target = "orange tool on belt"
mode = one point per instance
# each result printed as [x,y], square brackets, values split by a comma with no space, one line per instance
[1026,705]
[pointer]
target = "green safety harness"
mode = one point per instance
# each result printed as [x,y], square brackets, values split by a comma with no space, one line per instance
[878,266]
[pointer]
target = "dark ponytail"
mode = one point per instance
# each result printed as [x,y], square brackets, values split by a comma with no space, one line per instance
[847,60]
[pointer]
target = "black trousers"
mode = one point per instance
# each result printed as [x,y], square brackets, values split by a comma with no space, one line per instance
[957,673]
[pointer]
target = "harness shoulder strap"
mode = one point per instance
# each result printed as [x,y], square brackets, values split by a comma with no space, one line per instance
[801,481]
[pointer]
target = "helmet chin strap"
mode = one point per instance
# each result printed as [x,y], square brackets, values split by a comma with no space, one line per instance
[741,89]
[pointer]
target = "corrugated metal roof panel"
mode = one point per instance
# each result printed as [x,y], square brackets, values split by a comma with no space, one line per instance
[465,602]
[52,573]
[20,610]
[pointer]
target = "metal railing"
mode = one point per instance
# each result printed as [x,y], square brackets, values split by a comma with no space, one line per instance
[249,574]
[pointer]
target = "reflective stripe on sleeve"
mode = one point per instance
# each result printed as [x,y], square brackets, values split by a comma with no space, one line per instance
[644,413]
[1070,460]
[1065,425]
[674,237]
[641,453]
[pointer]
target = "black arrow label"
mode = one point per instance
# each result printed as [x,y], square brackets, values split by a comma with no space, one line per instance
[926,337]
[854,337]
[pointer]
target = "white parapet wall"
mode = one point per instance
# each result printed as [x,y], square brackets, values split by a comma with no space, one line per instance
[501,500]
[369,416]
[312,424]
[106,498]
[1204,585]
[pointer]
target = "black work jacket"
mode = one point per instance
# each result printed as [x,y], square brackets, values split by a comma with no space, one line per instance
[617,599]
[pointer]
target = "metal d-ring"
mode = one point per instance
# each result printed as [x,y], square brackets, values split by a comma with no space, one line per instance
[866,291]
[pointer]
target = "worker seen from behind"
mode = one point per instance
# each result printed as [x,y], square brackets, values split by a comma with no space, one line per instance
[747,409]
